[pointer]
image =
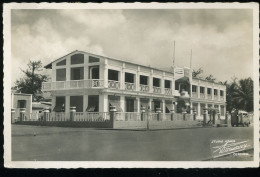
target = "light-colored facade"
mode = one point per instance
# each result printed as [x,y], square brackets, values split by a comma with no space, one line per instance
[21,100]
[93,83]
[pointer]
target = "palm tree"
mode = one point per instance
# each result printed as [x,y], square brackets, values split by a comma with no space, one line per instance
[243,94]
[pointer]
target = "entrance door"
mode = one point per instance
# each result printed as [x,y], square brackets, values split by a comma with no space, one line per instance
[129,105]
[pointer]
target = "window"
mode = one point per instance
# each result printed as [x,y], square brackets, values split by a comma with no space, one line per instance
[94,72]
[221,93]
[112,75]
[194,88]
[21,104]
[129,77]
[61,63]
[209,91]
[93,103]
[60,104]
[202,89]
[215,92]
[61,74]
[156,82]
[93,59]
[77,59]
[77,73]
[77,101]
[167,84]
[143,80]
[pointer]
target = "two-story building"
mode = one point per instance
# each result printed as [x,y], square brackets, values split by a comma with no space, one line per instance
[93,83]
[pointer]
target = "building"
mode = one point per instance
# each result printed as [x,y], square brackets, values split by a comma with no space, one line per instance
[21,100]
[93,83]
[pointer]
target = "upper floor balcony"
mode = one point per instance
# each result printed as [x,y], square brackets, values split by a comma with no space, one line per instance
[207,96]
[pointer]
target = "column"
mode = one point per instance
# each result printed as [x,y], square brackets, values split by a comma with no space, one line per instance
[150,103]
[85,102]
[105,74]
[212,93]
[163,106]
[151,82]
[198,110]
[53,77]
[122,77]
[122,102]
[67,104]
[138,104]
[103,103]
[137,79]
[191,107]
[198,91]
[218,94]
[53,102]
[172,86]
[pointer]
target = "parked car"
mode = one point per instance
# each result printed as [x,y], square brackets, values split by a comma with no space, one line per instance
[239,117]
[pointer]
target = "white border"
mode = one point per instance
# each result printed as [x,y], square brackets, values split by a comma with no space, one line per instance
[126,164]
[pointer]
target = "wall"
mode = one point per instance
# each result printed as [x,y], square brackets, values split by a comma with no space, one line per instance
[28,98]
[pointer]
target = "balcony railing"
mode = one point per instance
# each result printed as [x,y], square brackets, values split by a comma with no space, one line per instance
[215,97]
[194,95]
[221,98]
[113,84]
[202,95]
[73,84]
[168,91]
[144,88]
[209,97]
[157,89]
[130,86]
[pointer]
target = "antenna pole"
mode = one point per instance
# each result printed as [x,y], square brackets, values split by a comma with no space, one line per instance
[173,61]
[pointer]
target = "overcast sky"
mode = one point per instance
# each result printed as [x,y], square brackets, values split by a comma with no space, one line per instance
[221,40]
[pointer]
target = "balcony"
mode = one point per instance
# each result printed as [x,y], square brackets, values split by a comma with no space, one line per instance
[73,84]
[113,84]
[194,95]
[168,91]
[144,88]
[157,89]
[209,97]
[215,97]
[202,95]
[130,86]
[221,98]
[185,93]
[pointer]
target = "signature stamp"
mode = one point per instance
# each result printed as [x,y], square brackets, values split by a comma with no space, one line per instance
[220,147]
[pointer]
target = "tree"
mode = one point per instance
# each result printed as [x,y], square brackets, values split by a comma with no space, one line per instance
[240,94]
[31,83]
[210,78]
[243,95]
[196,73]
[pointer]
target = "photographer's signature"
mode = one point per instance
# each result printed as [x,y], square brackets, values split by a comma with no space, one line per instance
[228,146]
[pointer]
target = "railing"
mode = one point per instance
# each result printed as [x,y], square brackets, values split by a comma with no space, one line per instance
[113,84]
[177,93]
[144,88]
[168,91]
[221,98]
[127,116]
[202,95]
[194,95]
[130,86]
[92,116]
[215,97]
[157,89]
[90,83]
[94,83]
[76,84]
[58,116]
[209,97]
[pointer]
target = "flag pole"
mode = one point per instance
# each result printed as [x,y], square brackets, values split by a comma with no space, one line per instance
[190,58]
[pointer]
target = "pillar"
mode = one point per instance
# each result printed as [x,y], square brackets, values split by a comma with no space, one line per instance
[138,104]
[172,114]
[22,114]
[67,104]
[122,103]
[72,113]
[142,113]
[204,116]
[150,104]
[194,115]
[163,106]
[191,108]
[158,110]
[112,115]
[12,115]
[46,114]
[106,74]
[199,110]
[85,102]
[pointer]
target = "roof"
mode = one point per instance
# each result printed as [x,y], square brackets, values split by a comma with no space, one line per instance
[38,105]
[49,66]
[208,81]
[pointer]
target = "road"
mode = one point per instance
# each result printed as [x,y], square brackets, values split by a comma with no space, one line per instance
[81,144]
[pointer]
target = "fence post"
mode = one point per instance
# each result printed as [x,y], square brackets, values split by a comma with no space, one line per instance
[72,113]
[184,115]
[12,115]
[172,114]
[204,116]
[226,118]
[142,113]
[213,116]
[22,113]
[158,110]
[112,114]
[45,114]
[194,114]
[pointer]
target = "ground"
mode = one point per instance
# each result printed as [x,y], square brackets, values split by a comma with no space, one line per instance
[30,143]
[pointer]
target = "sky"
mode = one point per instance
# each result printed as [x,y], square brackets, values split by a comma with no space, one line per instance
[221,40]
